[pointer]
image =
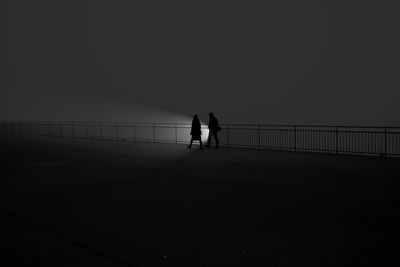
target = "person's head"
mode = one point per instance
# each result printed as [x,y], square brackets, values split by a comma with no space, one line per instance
[195,116]
[211,114]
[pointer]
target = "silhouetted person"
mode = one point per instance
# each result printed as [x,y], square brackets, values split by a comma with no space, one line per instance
[195,132]
[214,128]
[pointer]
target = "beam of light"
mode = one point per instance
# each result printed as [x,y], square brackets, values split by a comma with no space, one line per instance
[107,113]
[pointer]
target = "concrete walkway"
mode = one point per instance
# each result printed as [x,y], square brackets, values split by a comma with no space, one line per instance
[77,202]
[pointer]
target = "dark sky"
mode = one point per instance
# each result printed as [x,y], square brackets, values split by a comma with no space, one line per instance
[313,62]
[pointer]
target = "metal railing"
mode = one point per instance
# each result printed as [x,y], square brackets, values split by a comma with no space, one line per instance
[383,141]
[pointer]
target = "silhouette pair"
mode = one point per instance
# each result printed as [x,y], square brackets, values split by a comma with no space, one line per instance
[213,127]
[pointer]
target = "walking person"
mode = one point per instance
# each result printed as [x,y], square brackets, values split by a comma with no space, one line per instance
[195,131]
[214,128]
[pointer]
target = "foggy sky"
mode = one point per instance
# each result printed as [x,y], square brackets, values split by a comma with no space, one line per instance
[285,62]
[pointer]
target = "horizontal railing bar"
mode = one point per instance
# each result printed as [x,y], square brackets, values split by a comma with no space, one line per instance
[222,124]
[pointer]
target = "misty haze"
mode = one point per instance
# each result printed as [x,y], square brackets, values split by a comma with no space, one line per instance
[291,62]
[199,134]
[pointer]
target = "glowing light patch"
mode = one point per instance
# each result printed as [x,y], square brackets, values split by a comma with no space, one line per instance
[204,131]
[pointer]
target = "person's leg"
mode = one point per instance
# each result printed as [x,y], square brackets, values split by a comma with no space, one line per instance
[191,141]
[209,138]
[201,144]
[216,140]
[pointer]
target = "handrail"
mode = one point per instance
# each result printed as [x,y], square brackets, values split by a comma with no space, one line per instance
[222,124]
[366,140]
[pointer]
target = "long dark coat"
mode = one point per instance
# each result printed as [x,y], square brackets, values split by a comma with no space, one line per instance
[213,124]
[195,132]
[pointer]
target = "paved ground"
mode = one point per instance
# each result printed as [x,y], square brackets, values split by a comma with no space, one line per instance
[75,202]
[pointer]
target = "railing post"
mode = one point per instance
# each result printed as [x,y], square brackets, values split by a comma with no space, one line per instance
[337,139]
[227,135]
[295,138]
[154,132]
[176,134]
[385,138]
[259,137]
[86,129]
[134,132]
[116,130]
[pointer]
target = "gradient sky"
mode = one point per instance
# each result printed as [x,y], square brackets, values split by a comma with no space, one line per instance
[285,62]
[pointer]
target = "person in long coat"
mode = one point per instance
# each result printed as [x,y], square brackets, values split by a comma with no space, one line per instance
[214,128]
[195,131]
